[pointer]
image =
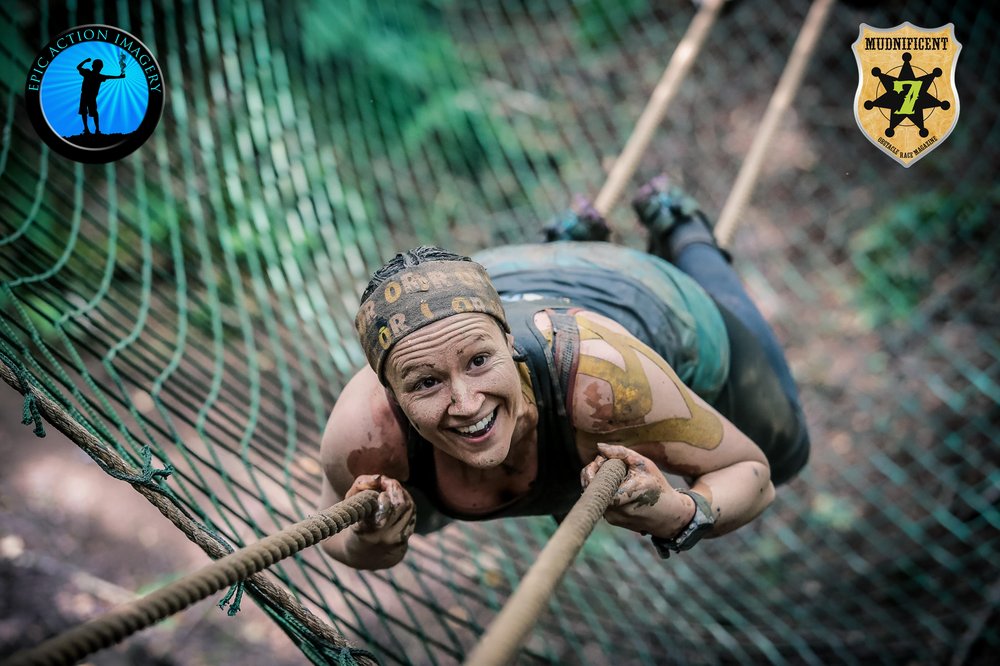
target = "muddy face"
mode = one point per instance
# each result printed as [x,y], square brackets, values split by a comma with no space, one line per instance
[457,383]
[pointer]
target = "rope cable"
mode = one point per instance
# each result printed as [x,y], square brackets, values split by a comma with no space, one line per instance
[129,618]
[244,567]
[510,627]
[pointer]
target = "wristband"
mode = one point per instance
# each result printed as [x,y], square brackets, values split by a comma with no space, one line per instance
[701,525]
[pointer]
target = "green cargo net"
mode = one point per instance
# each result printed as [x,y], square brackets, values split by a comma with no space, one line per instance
[191,305]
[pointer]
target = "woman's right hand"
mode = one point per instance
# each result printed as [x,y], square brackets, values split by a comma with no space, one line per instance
[394,520]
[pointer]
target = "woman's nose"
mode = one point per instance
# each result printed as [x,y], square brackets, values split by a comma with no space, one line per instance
[465,401]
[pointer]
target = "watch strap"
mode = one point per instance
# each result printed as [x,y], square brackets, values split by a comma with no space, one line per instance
[700,525]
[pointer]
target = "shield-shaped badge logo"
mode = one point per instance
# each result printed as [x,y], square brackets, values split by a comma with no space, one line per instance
[906,102]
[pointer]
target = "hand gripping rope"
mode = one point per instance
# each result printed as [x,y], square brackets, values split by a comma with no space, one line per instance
[127,619]
[497,646]
[227,570]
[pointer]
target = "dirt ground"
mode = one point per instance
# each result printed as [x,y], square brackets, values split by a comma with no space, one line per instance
[75,542]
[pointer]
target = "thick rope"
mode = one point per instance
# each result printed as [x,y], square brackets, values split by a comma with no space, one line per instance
[258,584]
[781,99]
[127,619]
[501,641]
[656,108]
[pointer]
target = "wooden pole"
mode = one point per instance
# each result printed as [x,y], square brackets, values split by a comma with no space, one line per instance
[656,108]
[781,99]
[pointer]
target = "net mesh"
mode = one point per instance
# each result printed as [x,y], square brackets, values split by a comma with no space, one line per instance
[192,303]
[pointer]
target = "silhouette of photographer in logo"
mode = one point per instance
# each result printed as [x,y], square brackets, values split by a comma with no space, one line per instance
[65,96]
[92,80]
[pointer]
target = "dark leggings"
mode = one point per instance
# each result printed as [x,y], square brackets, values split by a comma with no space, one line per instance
[760,396]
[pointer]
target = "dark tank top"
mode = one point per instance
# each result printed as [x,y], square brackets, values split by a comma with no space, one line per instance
[657,303]
[551,365]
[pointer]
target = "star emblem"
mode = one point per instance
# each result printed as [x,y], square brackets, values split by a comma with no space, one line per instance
[906,96]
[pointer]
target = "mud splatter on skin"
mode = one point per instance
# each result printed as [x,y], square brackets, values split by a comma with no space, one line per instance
[647,498]
[459,390]
[373,460]
[686,471]
[603,411]
[384,457]
[386,452]
[653,450]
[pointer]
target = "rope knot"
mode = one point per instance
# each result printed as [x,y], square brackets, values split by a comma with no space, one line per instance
[31,415]
[235,595]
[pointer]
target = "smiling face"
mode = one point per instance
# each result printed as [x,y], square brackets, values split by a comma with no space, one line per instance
[457,383]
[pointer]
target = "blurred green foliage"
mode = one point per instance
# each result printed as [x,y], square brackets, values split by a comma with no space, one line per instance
[900,254]
[605,22]
[423,90]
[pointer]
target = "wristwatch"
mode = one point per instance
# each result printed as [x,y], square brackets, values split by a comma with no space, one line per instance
[700,525]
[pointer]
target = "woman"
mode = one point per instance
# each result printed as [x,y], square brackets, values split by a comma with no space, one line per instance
[496,394]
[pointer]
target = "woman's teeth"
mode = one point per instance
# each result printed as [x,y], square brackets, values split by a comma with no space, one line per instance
[476,428]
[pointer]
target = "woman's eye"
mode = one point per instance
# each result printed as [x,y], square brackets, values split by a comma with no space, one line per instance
[425,383]
[479,360]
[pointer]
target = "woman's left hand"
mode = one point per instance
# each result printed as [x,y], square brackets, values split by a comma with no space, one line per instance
[644,502]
